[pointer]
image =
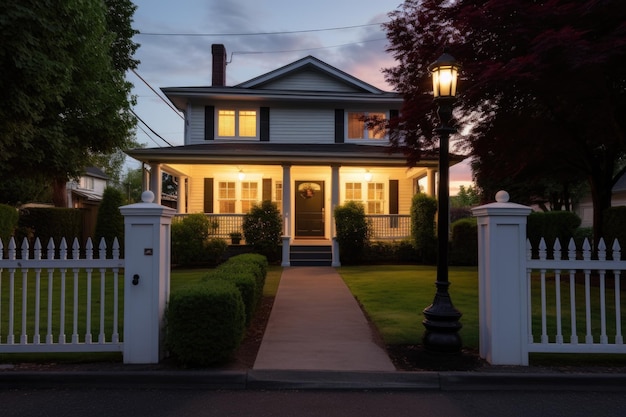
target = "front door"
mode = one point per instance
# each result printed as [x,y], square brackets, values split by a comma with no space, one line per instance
[309,209]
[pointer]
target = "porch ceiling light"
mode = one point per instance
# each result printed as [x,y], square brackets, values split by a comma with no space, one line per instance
[368,176]
[241,175]
[445,71]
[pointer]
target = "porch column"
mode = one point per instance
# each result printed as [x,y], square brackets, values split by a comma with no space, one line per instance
[182,195]
[155,182]
[335,188]
[430,182]
[286,214]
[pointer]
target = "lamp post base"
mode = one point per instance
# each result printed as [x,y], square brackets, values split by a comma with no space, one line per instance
[442,325]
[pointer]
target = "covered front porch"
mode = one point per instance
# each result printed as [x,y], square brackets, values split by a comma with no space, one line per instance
[306,183]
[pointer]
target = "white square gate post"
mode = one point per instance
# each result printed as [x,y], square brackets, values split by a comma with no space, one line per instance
[147,234]
[502,287]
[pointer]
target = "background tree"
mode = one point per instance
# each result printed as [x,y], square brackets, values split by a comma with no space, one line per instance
[132,185]
[543,87]
[63,67]
[110,222]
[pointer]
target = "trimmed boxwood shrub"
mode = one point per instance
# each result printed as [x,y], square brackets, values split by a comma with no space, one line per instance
[205,324]
[262,229]
[8,222]
[192,244]
[248,272]
[423,209]
[464,246]
[352,231]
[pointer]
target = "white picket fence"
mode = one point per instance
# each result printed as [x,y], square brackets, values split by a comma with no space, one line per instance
[577,297]
[55,294]
[568,303]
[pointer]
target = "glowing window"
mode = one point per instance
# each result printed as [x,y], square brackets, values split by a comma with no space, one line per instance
[237,123]
[357,128]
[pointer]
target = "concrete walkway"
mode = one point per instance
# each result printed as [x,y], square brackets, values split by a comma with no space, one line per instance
[316,324]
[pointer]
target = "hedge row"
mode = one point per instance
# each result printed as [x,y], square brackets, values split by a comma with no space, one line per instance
[206,324]
[8,222]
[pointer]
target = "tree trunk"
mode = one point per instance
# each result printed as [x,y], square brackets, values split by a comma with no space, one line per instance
[601,192]
[59,192]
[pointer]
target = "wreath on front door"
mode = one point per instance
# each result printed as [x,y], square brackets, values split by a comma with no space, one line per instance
[308,189]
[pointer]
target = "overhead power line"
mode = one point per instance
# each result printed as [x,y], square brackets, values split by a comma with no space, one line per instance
[257,33]
[158,95]
[149,128]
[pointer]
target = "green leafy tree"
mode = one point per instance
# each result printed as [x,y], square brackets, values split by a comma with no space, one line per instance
[543,88]
[466,197]
[63,65]
[132,185]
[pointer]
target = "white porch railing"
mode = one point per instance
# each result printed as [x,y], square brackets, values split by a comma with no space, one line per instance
[575,304]
[220,225]
[43,297]
[389,226]
[382,226]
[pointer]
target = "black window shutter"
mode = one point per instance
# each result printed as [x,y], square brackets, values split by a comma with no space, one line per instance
[394,205]
[265,124]
[339,126]
[267,189]
[209,122]
[208,195]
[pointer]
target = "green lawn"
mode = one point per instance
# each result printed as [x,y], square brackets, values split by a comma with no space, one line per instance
[394,297]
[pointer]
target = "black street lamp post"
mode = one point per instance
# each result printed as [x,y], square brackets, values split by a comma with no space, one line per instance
[441,317]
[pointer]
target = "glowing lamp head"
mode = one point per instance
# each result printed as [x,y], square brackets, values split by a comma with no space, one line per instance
[444,71]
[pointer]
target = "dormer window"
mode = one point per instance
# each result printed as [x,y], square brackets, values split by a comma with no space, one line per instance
[357,128]
[233,123]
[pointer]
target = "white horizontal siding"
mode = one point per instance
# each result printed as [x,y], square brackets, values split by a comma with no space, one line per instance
[310,81]
[302,125]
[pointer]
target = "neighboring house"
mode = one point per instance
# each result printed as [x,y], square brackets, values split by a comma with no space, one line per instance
[86,194]
[584,208]
[294,136]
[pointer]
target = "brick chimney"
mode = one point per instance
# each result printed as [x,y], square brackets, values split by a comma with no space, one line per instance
[219,65]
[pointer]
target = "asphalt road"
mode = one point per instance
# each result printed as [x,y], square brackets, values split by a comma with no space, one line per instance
[191,402]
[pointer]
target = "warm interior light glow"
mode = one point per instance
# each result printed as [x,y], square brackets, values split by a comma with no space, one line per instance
[241,176]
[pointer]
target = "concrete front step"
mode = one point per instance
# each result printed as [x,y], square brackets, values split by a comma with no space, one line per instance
[310,255]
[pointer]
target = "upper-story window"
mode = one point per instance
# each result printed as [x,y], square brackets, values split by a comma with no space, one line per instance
[357,128]
[87,183]
[233,123]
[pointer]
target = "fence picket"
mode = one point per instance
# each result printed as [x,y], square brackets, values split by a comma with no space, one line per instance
[35,302]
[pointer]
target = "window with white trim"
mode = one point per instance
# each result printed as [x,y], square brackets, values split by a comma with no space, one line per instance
[227,196]
[357,129]
[353,191]
[232,123]
[375,198]
[249,195]
[278,195]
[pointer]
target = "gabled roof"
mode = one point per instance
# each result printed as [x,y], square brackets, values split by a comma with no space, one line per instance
[310,63]
[96,173]
[289,83]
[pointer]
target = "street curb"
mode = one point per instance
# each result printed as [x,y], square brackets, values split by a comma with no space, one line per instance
[341,380]
[313,380]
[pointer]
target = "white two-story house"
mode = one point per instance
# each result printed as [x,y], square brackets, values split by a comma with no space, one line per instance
[295,136]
